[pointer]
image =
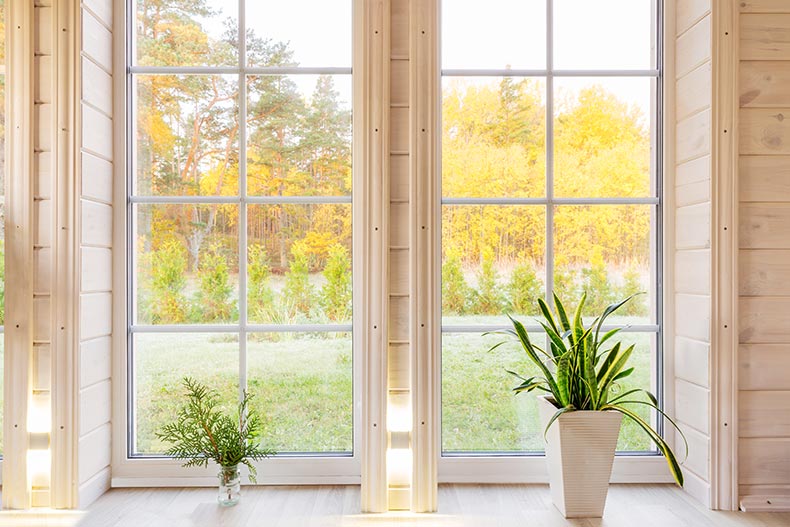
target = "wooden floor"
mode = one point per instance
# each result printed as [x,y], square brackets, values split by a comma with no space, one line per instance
[459,505]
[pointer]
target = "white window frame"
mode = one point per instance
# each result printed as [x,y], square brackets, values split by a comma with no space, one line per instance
[284,469]
[644,467]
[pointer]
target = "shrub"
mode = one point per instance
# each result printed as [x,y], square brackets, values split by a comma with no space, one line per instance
[260,296]
[213,302]
[489,299]
[455,291]
[168,278]
[595,282]
[564,278]
[524,289]
[632,285]
[298,289]
[336,292]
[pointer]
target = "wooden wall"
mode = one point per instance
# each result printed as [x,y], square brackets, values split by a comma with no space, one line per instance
[764,256]
[692,238]
[94,215]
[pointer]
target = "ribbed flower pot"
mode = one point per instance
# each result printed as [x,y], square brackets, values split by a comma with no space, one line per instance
[579,454]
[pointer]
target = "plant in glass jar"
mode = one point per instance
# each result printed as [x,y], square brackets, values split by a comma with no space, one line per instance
[203,433]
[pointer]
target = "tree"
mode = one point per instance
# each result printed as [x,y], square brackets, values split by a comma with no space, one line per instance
[213,301]
[298,290]
[260,295]
[489,299]
[456,293]
[524,289]
[168,304]
[336,291]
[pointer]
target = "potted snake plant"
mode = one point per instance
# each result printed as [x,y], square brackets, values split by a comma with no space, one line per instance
[581,408]
[202,433]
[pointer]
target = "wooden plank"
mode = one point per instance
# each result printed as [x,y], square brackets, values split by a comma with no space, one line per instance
[96,178]
[96,269]
[43,43]
[399,272]
[764,320]
[764,178]
[692,193]
[763,226]
[94,453]
[41,380]
[692,316]
[42,266]
[763,84]
[95,315]
[399,177]
[95,406]
[43,131]
[96,41]
[42,211]
[96,86]
[398,366]
[96,224]
[764,131]
[692,227]
[399,318]
[94,488]
[42,177]
[96,132]
[399,129]
[692,406]
[42,319]
[764,366]
[694,171]
[764,272]
[764,6]
[102,8]
[95,361]
[692,272]
[692,361]
[764,414]
[693,47]
[399,224]
[765,37]
[698,459]
[43,86]
[399,82]
[693,137]
[764,461]
[689,12]
[694,91]
[399,22]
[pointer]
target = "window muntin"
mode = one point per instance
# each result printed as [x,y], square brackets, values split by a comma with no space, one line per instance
[550,182]
[239,214]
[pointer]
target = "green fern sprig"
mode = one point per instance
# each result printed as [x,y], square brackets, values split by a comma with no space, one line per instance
[201,433]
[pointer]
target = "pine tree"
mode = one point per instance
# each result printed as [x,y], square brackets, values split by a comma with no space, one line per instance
[456,293]
[336,291]
[524,289]
[259,292]
[298,292]
[213,302]
[489,299]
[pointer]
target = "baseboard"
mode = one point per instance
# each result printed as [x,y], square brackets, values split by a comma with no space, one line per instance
[765,503]
[92,489]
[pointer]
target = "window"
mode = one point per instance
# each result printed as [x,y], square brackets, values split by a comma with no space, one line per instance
[551,177]
[239,215]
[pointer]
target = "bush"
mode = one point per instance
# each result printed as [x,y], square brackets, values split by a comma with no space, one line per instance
[260,296]
[336,292]
[455,291]
[564,279]
[298,289]
[632,285]
[489,299]
[524,289]
[168,304]
[213,302]
[595,281]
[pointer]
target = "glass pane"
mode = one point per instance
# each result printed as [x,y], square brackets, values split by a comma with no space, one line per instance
[302,387]
[496,35]
[493,137]
[299,32]
[161,361]
[479,411]
[299,130]
[605,250]
[187,135]
[187,33]
[492,262]
[602,143]
[299,266]
[605,34]
[186,258]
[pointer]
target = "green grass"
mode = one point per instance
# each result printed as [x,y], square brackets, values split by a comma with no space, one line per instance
[303,389]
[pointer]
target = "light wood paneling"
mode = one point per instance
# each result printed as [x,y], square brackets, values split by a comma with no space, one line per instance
[698,460]
[689,12]
[694,91]
[399,272]
[96,269]
[764,273]
[96,132]
[399,319]
[398,366]
[692,406]
[694,171]
[42,266]
[399,76]
[96,86]
[764,461]
[692,227]
[43,214]
[764,366]
[43,39]
[42,183]
[764,131]
[692,316]
[399,178]
[764,178]
[765,37]
[764,320]
[94,452]
[693,47]
[102,9]
[691,361]
[96,224]
[95,406]
[95,361]
[763,84]
[692,272]
[399,129]
[96,41]
[693,137]
[96,178]
[400,28]
[764,6]
[95,318]
[764,413]
[43,131]
[762,225]
[692,193]
[399,222]
[43,88]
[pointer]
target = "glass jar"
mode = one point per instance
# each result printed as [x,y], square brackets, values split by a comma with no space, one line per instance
[229,486]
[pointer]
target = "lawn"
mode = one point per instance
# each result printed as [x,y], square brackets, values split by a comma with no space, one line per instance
[303,389]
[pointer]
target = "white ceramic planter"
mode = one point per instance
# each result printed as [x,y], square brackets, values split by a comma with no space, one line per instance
[579,456]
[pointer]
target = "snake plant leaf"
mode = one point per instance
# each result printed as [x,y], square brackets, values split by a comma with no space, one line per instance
[556,416]
[615,368]
[544,308]
[563,377]
[528,348]
[607,363]
[665,416]
[578,326]
[623,374]
[565,323]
